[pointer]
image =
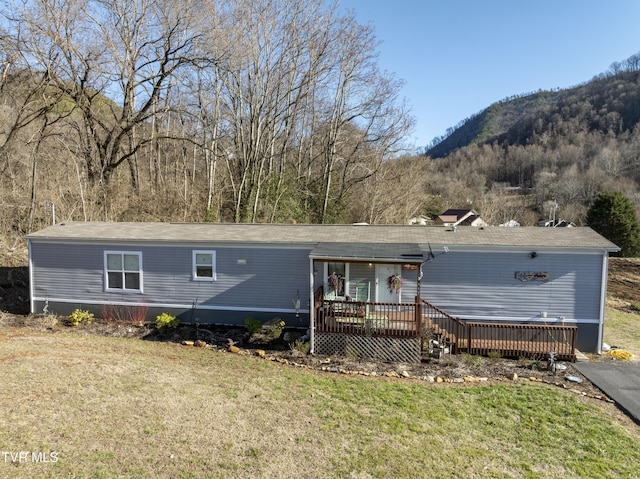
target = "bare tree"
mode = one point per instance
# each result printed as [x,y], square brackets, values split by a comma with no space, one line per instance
[265,78]
[364,120]
[248,110]
[302,96]
[112,60]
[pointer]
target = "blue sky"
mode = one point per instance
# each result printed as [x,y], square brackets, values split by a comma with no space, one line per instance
[457,57]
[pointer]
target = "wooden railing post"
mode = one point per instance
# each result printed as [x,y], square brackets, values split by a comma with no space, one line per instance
[419,315]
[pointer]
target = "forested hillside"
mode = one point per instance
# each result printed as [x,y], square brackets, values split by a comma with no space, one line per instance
[609,103]
[563,146]
[272,111]
[234,110]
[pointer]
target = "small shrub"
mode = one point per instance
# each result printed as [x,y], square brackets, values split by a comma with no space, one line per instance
[80,316]
[471,359]
[300,346]
[635,307]
[49,321]
[253,325]
[495,356]
[166,320]
[276,329]
[125,315]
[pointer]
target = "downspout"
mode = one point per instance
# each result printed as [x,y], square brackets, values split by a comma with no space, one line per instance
[31,302]
[312,308]
[603,299]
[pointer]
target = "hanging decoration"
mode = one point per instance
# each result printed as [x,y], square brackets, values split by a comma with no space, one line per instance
[394,283]
[335,282]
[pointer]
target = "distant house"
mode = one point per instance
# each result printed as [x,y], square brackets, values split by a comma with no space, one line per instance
[557,224]
[510,224]
[453,217]
[364,288]
[420,220]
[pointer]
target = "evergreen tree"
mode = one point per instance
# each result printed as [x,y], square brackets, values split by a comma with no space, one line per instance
[614,217]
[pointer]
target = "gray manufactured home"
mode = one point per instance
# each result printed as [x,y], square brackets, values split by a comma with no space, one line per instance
[323,277]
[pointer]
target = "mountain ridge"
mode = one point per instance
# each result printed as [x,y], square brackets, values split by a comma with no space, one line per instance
[609,103]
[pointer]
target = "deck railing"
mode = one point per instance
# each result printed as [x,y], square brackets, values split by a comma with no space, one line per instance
[448,328]
[410,320]
[367,318]
[520,340]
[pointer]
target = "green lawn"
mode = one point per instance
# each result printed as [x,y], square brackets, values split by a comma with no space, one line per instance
[111,407]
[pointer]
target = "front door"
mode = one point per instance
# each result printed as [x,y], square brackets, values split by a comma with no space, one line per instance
[383,295]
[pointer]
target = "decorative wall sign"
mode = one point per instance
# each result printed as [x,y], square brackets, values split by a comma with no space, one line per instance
[531,276]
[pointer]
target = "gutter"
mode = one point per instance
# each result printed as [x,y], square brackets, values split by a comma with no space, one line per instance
[603,299]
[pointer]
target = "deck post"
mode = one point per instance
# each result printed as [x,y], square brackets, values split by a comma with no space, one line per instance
[419,315]
[312,309]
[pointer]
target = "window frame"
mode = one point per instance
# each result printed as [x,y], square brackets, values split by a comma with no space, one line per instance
[345,284]
[194,265]
[124,289]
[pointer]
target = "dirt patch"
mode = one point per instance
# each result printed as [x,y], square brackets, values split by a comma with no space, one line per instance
[623,286]
[14,280]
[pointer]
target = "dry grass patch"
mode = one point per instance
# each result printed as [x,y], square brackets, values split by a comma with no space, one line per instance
[114,407]
[125,408]
[622,329]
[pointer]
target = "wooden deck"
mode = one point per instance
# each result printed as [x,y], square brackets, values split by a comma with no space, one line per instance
[423,320]
[520,340]
[380,319]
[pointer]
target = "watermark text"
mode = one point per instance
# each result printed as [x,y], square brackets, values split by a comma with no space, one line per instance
[26,456]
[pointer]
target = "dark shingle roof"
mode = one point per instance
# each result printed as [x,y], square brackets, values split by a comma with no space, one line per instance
[289,234]
[408,253]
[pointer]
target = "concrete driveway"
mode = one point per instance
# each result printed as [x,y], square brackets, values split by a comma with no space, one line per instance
[620,380]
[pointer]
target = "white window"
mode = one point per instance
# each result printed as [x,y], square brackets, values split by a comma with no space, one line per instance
[123,270]
[336,279]
[204,265]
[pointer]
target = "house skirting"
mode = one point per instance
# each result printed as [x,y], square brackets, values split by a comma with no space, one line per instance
[369,347]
